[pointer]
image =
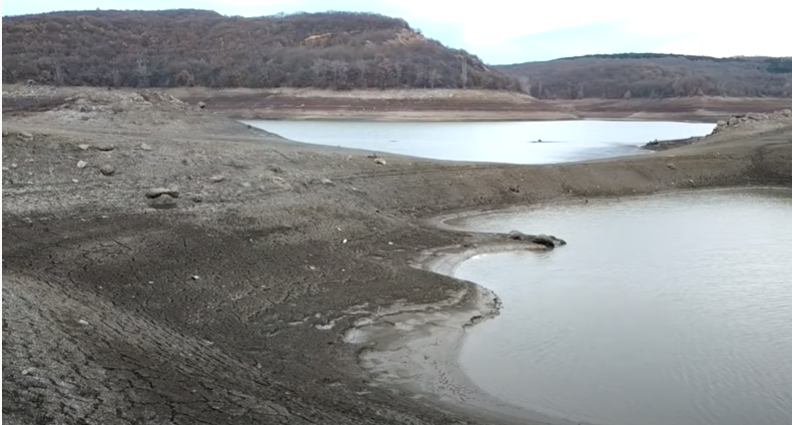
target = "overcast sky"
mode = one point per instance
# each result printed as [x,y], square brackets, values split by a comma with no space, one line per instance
[501,31]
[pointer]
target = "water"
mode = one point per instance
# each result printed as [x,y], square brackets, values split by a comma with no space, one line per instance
[505,142]
[664,310]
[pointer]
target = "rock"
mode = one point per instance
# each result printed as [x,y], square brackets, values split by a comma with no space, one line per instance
[106,147]
[201,105]
[163,203]
[217,178]
[83,146]
[28,371]
[6,168]
[145,146]
[81,164]
[75,181]
[156,192]
[328,182]
[245,184]
[24,135]
[195,277]
[380,161]
[671,166]
[546,240]
[14,165]
[197,199]
[107,170]
[82,322]
[274,168]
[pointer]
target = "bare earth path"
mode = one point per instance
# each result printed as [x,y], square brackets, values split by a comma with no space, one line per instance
[228,304]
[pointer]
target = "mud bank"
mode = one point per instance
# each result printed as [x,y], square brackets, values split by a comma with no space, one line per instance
[416,349]
[227,299]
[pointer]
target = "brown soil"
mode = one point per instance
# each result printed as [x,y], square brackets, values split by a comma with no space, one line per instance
[229,303]
[443,104]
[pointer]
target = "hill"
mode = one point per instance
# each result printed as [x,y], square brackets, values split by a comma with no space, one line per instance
[652,75]
[334,50]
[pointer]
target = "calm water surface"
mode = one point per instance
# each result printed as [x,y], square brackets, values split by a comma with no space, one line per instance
[674,309]
[507,142]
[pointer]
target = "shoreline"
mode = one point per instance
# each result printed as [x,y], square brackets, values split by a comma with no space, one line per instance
[425,105]
[416,350]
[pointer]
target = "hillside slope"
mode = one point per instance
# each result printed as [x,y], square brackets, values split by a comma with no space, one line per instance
[649,75]
[334,50]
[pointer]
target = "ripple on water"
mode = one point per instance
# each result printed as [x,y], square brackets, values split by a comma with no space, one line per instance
[665,309]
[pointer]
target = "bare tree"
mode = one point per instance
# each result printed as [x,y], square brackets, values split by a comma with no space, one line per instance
[463,77]
[143,73]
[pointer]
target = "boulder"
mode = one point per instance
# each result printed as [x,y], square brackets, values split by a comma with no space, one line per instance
[105,147]
[107,170]
[546,240]
[156,192]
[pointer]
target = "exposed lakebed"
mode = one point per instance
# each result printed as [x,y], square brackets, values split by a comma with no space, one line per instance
[539,142]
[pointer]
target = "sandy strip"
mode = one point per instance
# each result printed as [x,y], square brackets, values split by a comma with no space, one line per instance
[416,349]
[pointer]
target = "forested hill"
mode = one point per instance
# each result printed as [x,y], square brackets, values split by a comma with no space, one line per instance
[335,50]
[651,75]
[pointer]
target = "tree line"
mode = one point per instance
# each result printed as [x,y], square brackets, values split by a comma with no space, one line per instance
[333,50]
[654,75]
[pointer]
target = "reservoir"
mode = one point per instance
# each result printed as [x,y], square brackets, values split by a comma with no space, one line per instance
[668,309]
[535,142]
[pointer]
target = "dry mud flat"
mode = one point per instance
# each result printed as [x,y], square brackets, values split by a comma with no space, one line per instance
[228,298]
[461,105]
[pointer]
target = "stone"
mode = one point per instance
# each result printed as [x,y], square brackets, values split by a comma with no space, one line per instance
[81,164]
[671,166]
[106,147]
[380,161]
[156,192]
[201,105]
[546,240]
[83,146]
[217,178]
[24,135]
[163,203]
[107,170]
[145,146]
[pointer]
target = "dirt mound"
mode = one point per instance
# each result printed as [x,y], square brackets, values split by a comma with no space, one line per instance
[755,121]
[93,104]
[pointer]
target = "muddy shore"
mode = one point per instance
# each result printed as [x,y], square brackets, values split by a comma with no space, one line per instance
[232,301]
[462,105]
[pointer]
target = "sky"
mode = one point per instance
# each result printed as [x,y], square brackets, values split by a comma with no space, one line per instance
[510,31]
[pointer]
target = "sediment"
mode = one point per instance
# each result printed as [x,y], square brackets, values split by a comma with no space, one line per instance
[227,298]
